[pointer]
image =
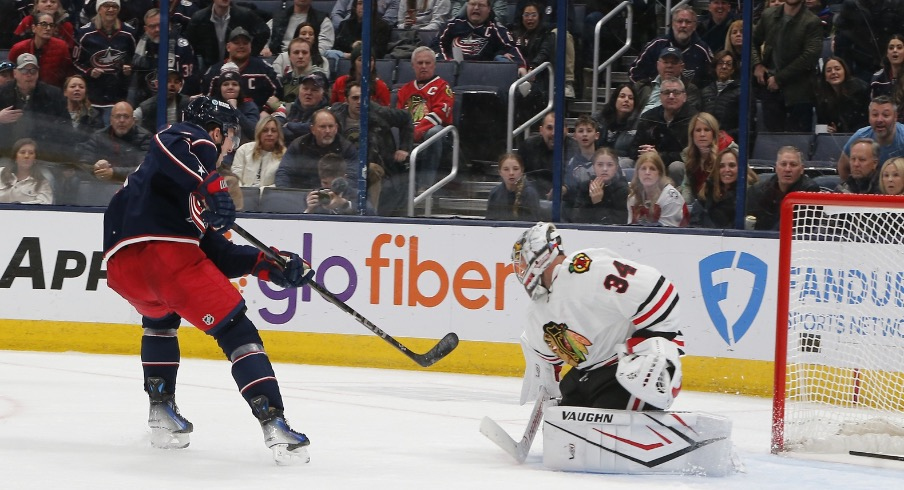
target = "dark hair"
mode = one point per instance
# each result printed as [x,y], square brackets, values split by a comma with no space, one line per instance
[331,165]
[316,57]
[349,85]
[897,91]
[217,93]
[608,113]
[847,85]
[353,70]
[519,189]
[6,175]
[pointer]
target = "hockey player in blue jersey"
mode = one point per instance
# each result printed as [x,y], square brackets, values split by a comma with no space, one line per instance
[167,256]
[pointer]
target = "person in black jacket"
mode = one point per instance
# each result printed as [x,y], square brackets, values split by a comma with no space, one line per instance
[281,30]
[515,198]
[209,42]
[842,100]
[603,200]
[664,128]
[618,123]
[32,109]
[349,31]
[116,151]
[716,204]
[764,200]
[722,97]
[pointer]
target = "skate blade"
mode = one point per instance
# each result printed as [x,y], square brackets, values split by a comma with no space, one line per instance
[165,439]
[286,457]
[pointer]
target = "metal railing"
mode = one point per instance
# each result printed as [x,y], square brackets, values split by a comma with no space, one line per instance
[607,65]
[512,132]
[412,171]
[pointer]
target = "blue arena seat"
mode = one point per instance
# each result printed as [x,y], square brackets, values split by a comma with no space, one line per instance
[95,193]
[828,146]
[386,71]
[767,144]
[827,183]
[283,200]
[483,76]
[251,199]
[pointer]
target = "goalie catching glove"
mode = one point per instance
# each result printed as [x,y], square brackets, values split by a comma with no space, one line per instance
[650,369]
[297,272]
[219,209]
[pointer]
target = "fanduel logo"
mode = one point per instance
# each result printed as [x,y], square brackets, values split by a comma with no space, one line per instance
[747,274]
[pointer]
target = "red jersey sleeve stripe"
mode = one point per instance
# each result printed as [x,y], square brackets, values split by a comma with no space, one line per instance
[657,306]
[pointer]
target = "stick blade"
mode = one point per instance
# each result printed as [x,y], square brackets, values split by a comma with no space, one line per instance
[500,437]
[442,349]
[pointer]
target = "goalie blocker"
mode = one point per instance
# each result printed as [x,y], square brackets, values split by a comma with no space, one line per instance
[617,441]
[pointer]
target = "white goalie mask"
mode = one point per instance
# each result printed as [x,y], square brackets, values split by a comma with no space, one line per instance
[533,253]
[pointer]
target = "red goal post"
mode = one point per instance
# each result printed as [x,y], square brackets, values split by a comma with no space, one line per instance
[839,345]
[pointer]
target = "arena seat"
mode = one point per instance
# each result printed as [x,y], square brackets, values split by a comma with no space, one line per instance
[828,146]
[483,76]
[283,200]
[95,193]
[767,144]
[251,199]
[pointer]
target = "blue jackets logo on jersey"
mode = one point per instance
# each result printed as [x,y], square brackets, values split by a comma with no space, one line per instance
[717,272]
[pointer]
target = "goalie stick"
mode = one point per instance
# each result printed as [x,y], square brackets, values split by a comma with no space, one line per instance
[500,437]
[446,345]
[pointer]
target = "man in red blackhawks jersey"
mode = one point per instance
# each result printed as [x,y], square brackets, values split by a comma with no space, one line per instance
[429,100]
[167,256]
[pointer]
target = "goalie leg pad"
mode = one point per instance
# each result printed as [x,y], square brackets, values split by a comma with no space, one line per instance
[616,441]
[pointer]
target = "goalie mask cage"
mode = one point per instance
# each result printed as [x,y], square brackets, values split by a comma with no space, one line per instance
[839,346]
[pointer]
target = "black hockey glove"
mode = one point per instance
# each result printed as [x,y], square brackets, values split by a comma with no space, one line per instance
[296,274]
[219,210]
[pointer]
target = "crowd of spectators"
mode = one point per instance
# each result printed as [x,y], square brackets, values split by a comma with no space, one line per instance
[78,100]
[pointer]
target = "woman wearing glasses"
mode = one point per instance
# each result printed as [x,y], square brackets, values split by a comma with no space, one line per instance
[52,53]
[62,29]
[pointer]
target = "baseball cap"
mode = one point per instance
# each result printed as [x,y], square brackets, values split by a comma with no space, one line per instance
[26,59]
[6,65]
[317,77]
[671,51]
[239,31]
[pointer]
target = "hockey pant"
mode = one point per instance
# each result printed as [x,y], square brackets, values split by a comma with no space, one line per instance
[598,388]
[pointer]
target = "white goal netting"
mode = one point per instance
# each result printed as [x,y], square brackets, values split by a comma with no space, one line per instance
[844,365]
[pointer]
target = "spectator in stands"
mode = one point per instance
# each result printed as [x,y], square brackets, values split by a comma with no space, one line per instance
[258,80]
[285,22]
[335,195]
[283,63]
[765,198]
[864,162]
[429,101]
[6,71]
[665,128]
[821,11]
[669,65]
[85,118]
[618,122]
[478,37]
[883,129]
[683,36]
[705,141]
[379,92]
[210,29]
[860,28]
[387,9]
[604,198]
[537,154]
[32,109]
[228,88]
[180,12]
[52,53]
[311,98]
[176,102]
[144,64]
[546,14]
[300,66]
[131,11]
[841,99]
[722,97]
[458,8]
[21,179]
[515,198]
[712,25]
[255,163]
[103,54]
[787,44]
[890,79]
[891,181]
[653,200]
[386,160]
[349,32]
[716,204]
[116,151]
[62,28]
[734,42]
[298,167]
[537,44]
[423,15]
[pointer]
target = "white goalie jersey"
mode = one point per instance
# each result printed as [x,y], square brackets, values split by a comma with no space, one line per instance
[596,302]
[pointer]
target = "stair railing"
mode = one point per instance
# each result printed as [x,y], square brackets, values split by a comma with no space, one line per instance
[607,65]
[427,195]
[512,132]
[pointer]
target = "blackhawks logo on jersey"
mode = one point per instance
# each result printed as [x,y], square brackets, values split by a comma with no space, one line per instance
[580,263]
[570,346]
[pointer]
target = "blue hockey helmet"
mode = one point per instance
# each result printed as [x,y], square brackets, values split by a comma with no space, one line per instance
[205,111]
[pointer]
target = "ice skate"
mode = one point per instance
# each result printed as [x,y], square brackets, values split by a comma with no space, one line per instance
[288,446]
[169,429]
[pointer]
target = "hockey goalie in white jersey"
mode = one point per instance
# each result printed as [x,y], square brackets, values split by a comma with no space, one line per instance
[616,323]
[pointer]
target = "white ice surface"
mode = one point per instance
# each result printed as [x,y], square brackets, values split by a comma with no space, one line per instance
[70,421]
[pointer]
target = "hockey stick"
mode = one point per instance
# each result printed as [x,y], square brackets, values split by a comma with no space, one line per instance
[892,457]
[518,450]
[446,345]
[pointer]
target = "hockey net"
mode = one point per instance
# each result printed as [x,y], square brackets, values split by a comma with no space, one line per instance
[839,355]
